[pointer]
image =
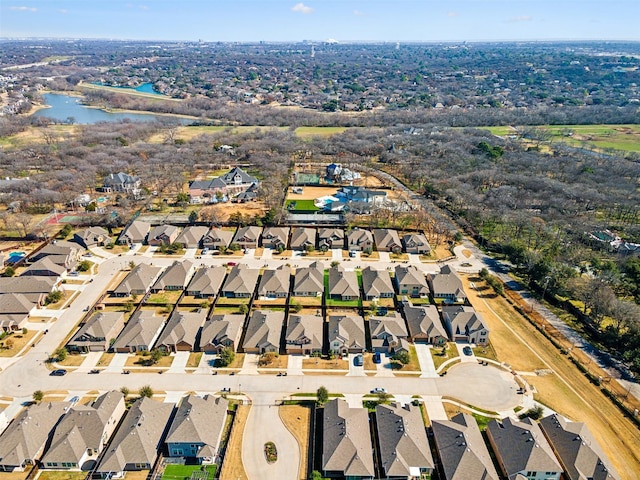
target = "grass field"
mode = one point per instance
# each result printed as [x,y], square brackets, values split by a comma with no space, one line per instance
[183,472]
[303,132]
[301,205]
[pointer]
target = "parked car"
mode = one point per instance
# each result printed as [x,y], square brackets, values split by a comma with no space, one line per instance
[94,371]
[358,361]
[377,358]
[467,351]
[205,251]
[58,373]
[231,264]
[378,390]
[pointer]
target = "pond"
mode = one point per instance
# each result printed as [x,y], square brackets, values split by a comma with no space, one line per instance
[66,108]
[144,88]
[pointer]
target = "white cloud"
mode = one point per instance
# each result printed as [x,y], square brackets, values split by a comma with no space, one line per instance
[23,9]
[453,14]
[359,13]
[523,18]
[143,7]
[302,8]
[63,10]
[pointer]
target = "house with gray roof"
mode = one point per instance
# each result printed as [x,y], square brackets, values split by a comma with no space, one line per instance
[207,191]
[462,451]
[97,334]
[329,238]
[136,444]
[191,236]
[346,446]
[35,289]
[247,237]
[45,267]
[163,235]
[304,334]
[522,450]
[359,240]
[237,179]
[275,237]
[136,232]
[206,282]
[140,333]
[309,281]
[138,281]
[387,240]
[179,335]
[217,239]
[388,334]
[263,332]
[275,283]
[303,238]
[196,429]
[23,441]
[465,324]
[447,285]
[424,324]
[411,281]
[15,309]
[121,182]
[221,331]
[402,440]
[343,284]
[241,282]
[61,253]
[416,243]
[92,237]
[83,432]
[176,277]
[376,284]
[579,453]
[346,334]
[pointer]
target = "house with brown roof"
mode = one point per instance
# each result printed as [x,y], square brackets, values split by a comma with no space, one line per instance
[447,285]
[263,332]
[346,442]
[135,232]
[247,237]
[176,277]
[92,237]
[210,190]
[579,453]
[309,281]
[402,441]
[180,332]
[206,282]
[217,239]
[343,284]
[138,281]
[411,281]
[304,334]
[241,282]
[163,235]
[191,236]
[303,238]
[346,334]
[416,243]
[522,450]
[140,333]
[359,240]
[97,334]
[387,240]
[388,334]
[329,238]
[376,284]
[424,324]
[275,237]
[221,331]
[83,432]
[462,451]
[465,324]
[275,283]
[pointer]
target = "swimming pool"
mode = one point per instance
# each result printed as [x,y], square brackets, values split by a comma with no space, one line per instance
[15,257]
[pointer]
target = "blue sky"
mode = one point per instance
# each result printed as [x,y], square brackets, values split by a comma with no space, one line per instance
[343,20]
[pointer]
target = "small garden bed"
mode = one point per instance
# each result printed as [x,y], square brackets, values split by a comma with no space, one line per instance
[270,452]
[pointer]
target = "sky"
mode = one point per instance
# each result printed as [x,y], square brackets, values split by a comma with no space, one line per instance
[319,20]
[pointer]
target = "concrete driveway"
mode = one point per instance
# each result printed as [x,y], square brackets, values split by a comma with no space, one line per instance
[179,363]
[428,369]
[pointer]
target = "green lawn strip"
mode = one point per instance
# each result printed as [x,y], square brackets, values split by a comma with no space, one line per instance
[183,472]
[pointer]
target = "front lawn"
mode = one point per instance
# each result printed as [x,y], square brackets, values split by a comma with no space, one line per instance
[439,357]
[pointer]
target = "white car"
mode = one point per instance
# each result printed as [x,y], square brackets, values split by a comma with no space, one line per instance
[378,390]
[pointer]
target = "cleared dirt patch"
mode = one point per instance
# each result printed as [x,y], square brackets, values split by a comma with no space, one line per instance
[232,467]
[296,419]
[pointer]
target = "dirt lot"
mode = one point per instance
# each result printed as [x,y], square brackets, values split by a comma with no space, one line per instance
[565,390]
[232,468]
[296,418]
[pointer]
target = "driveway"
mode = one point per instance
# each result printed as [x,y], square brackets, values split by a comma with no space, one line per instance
[383,369]
[294,365]
[118,362]
[336,254]
[465,358]
[250,364]
[190,252]
[435,409]
[90,361]
[354,370]
[428,369]
[179,363]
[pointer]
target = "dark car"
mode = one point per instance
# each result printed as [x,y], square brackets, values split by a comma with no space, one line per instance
[94,371]
[467,351]
[358,361]
[377,358]
[58,373]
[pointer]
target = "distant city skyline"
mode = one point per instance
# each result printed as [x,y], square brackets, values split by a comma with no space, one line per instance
[321,20]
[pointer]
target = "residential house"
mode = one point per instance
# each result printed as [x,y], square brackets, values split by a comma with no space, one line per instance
[303,238]
[45,267]
[247,237]
[263,332]
[15,309]
[447,285]
[309,281]
[579,453]
[135,445]
[83,432]
[135,232]
[92,237]
[343,284]
[221,331]
[140,333]
[403,444]
[176,277]
[346,447]
[97,334]
[276,238]
[359,240]
[179,335]
[346,334]
[275,283]
[138,281]
[388,334]
[217,239]
[206,282]
[66,254]
[376,284]
[163,235]
[191,236]
[241,282]
[196,429]
[387,240]
[410,281]
[249,195]
[329,238]
[424,324]
[465,324]
[24,440]
[238,180]
[210,190]
[521,450]
[416,243]
[462,451]
[121,182]
[304,334]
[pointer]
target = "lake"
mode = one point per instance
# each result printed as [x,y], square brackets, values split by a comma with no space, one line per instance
[144,88]
[62,107]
